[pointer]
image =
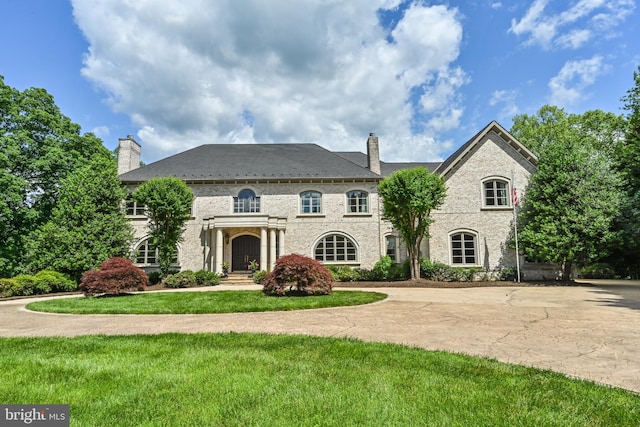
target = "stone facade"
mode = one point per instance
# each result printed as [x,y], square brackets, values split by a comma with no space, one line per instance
[465,210]
[279,226]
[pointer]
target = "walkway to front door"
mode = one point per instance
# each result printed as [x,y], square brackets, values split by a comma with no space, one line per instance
[244,249]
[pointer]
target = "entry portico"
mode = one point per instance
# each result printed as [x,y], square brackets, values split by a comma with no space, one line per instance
[222,231]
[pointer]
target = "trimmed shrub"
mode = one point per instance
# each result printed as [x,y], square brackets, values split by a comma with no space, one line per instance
[207,278]
[7,287]
[344,273]
[440,272]
[154,277]
[507,273]
[297,275]
[259,276]
[55,282]
[113,277]
[44,282]
[25,285]
[182,279]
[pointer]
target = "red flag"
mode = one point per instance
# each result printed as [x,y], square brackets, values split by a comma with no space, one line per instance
[514,197]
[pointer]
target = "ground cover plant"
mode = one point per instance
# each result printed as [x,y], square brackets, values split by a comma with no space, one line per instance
[279,380]
[201,303]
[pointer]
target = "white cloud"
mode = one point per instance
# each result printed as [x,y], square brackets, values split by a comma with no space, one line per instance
[571,28]
[207,71]
[569,86]
[101,132]
[507,99]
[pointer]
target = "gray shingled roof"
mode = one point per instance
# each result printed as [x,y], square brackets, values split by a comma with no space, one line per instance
[252,162]
[386,168]
[464,150]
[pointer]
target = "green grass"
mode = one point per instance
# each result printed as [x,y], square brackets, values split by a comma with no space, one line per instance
[278,380]
[201,302]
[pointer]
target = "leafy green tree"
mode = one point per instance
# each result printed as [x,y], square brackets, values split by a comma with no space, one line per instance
[408,197]
[600,130]
[575,195]
[88,225]
[168,203]
[626,255]
[570,204]
[39,146]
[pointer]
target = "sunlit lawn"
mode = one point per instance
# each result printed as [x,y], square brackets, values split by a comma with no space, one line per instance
[201,302]
[278,380]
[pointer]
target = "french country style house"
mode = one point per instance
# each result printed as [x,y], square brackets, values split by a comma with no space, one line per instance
[260,201]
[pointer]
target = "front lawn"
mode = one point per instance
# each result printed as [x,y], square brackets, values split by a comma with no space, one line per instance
[201,302]
[278,380]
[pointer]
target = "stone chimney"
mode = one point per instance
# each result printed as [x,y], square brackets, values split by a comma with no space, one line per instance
[128,154]
[373,153]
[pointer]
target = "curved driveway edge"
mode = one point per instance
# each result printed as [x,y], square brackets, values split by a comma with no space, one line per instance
[579,330]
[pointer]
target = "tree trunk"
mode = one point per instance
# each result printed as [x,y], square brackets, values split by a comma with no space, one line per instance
[566,271]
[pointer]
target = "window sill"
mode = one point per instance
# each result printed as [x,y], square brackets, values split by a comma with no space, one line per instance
[137,217]
[310,215]
[365,214]
[497,208]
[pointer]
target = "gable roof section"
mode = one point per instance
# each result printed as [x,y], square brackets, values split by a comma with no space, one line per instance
[386,168]
[224,162]
[463,152]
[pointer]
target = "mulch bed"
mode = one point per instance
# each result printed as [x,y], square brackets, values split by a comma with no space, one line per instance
[422,283]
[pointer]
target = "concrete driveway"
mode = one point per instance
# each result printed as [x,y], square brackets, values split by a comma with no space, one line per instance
[583,331]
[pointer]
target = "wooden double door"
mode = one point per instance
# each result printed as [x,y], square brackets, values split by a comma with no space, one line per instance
[244,249]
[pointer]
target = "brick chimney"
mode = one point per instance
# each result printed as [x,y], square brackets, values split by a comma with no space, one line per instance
[128,154]
[373,153]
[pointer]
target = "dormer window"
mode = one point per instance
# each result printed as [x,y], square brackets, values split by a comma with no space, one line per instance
[246,202]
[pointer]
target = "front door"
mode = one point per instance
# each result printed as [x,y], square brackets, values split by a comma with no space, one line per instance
[244,249]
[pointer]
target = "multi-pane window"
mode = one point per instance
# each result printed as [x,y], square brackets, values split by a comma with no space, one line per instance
[133,209]
[246,202]
[391,242]
[496,193]
[357,202]
[147,253]
[463,249]
[310,202]
[335,247]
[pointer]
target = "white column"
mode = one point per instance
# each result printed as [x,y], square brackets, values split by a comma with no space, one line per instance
[219,241]
[263,248]
[281,245]
[272,248]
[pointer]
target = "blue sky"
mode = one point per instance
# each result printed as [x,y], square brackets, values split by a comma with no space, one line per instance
[425,76]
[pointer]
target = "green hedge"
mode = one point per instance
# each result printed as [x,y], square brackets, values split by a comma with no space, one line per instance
[190,279]
[45,282]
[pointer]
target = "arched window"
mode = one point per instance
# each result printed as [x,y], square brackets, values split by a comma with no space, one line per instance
[310,202]
[391,243]
[246,202]
[335,248]
[357,201]
[496,193]
[464,248]
[147,253]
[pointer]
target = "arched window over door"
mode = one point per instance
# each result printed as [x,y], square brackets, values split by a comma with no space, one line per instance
[246,202]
